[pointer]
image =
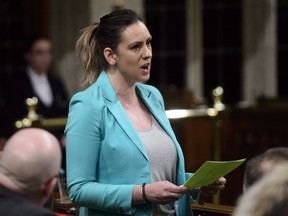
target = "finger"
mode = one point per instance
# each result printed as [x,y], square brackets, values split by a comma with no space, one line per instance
[183,189]
[179,189]
[216,187]
[212,189]
[172,196]
[221,187]
[221,181]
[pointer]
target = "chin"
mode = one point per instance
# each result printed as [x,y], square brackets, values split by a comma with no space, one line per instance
[144,79]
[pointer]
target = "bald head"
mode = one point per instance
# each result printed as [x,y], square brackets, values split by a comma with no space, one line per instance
[30,158]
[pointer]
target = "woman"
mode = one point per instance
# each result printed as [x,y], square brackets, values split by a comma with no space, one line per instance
[122,154]
[36,80]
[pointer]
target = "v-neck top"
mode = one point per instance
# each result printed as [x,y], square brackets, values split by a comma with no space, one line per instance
[163,158]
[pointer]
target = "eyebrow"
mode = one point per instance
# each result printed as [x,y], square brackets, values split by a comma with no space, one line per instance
[149,39]
[139,42]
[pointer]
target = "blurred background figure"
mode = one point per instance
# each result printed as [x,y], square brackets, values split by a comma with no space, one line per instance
[29,167]
[36,80]
[259,165]
[269,197]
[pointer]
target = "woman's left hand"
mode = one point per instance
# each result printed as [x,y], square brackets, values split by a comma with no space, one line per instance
[213,188]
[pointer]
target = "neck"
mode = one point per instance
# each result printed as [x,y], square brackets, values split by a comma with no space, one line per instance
[12,186]
[36,199]
[124,89]
[38,72]
[8,183]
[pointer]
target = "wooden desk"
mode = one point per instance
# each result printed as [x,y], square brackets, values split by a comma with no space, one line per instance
[209,209]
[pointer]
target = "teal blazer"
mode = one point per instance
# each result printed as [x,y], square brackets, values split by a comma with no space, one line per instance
[105,156]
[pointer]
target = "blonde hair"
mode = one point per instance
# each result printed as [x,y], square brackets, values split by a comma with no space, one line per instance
[87,54]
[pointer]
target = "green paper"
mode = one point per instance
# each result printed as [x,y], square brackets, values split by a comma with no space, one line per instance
[211,171]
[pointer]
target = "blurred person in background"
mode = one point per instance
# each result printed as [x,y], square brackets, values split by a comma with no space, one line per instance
[37,80]
[256,167]
[267,197]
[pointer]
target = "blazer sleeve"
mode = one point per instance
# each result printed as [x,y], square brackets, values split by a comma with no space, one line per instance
[83,132]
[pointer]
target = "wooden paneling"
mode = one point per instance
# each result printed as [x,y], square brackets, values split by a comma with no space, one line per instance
[195,138]
[241,133]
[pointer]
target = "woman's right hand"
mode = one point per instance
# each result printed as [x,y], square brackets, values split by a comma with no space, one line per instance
[164,192]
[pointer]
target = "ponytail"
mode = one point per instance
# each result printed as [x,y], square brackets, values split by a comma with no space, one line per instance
[86,51]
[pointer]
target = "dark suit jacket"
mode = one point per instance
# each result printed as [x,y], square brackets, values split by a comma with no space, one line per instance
[22,88]
[12,204]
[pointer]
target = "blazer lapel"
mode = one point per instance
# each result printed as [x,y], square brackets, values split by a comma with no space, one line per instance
[121,117]
[156,110]
[119,113]
[159,114]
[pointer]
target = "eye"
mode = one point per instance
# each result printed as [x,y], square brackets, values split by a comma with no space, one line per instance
[135,47]
[148,43]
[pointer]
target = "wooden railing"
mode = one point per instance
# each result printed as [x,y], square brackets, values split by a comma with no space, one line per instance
[209,209]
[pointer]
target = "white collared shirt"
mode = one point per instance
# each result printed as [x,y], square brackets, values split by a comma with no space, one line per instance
[41,87]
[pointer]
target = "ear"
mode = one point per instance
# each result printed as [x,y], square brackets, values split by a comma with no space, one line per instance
[49,186]
[109,56]
[46,191]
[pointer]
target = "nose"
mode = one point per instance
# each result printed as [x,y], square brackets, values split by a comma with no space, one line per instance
[147,52]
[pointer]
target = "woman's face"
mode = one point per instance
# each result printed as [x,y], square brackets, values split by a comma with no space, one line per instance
[40,57]
[134,53]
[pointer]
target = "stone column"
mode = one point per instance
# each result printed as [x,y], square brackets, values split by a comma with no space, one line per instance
[259,49]
[194,55]
[67,18]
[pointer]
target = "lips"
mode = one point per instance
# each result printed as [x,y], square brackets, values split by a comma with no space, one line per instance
[145,66]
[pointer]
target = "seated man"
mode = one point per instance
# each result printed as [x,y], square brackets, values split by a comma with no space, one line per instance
[259,165]
[29,167]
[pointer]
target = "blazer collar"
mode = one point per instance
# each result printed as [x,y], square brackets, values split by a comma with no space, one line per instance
[116,109]
[109,93]
[106,87]
[156,109]
[121,117]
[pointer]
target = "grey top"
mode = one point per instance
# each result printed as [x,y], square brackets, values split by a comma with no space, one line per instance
[163,159]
